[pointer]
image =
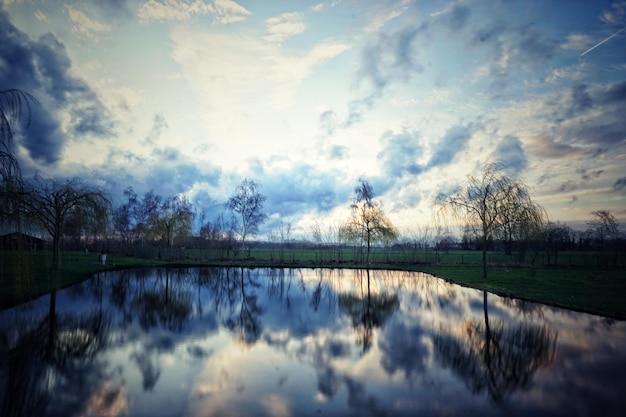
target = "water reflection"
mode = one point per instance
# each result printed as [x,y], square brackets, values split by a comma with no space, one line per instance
[367,311]
[496,357]
[213,341]
[53,351]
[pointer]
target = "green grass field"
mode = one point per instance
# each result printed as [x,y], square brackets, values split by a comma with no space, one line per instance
[582,288]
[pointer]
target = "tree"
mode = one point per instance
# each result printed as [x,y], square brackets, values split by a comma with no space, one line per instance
[523,220]
[50,203]
[555,237]
[247,207]
[14,106]
[604,225]
[368,222]
[490,204]
[174,219]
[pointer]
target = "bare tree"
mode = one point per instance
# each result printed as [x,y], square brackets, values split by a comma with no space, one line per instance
[368,222]
[491,204]
[50,203]
[246,204]
[604,225]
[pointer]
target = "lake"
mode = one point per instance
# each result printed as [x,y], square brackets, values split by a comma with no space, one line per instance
[303,342]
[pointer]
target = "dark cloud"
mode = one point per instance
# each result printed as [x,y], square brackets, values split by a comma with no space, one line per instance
[400,154]
[389,58]
[620,183]
[404,349]
[42,68]
[512,53]
[458,17]
[587,175]
[581,100]
[615,93]
[535,47]
[167,154]
[510,152]
[586,117]
[159,125]
[452,142]
[301,189]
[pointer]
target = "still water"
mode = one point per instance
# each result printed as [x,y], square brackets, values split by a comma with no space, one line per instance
[302,342]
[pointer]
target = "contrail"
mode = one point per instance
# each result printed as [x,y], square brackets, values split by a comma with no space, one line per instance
[603,41]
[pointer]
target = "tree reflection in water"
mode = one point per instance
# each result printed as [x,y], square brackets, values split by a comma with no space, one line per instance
[495,358]
[247,326]
[368,311]
[54,351]
[222,341]
[164,306]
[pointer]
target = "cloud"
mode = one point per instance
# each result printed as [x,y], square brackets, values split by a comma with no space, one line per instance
[400,154]
[455,17]
[512,53]
[614,94]
[585,117]
[159,125]
[83,26]
[39,15]
[577,42]
[581,100]
[302,188]
[546,147]
[324,5]
[620,184]
[225,11]
[67,108]
[283,27]
[616,15]
[404,349]
[389,59]
[328,121]
[510,152]
[453,141]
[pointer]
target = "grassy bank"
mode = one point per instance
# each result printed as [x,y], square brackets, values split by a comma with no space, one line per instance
[594,290]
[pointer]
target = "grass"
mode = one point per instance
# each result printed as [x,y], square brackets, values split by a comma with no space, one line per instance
[588,289]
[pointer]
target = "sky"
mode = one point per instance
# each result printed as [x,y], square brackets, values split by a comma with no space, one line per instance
[189,97]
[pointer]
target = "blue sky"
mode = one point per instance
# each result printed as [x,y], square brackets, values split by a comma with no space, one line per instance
[192,96]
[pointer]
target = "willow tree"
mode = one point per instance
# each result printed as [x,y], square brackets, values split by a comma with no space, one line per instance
[368,222]
[14,108]
[492,204]
[50,203]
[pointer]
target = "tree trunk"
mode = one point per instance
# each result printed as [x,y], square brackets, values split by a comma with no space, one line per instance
[56,250]
[485,235]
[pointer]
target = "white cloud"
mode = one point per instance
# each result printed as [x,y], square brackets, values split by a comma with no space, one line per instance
[83,26]
[383,13]
[40,16]
[225,11]
[577,42]
[247,88]
[284,26]
[321,6]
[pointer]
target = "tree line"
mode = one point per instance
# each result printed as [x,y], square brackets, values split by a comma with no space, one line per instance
[491,207]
